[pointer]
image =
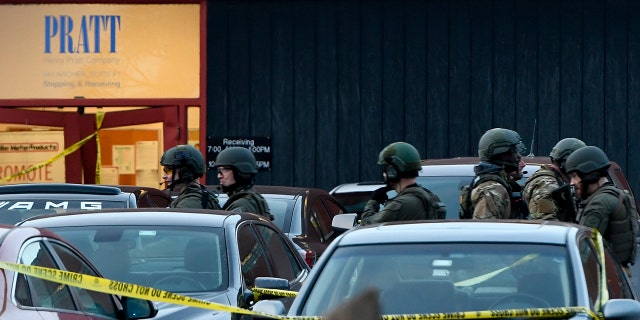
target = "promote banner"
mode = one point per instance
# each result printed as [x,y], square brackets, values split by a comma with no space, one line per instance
[21,150]
[97,51]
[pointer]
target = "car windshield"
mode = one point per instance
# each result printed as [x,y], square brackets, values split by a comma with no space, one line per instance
[176,259]
[431,278]
[15,210]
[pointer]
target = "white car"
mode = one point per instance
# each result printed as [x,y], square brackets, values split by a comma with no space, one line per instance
[469,269]
[444,177]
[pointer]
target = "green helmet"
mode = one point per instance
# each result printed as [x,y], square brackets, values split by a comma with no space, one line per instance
[498,141]
[186,159]
[563,149]
[238,157]
[587,160]
[403,156]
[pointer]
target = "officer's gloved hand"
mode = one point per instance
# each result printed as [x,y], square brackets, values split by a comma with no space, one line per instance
[380,194]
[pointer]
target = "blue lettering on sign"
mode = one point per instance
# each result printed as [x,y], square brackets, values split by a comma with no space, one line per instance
[91,30]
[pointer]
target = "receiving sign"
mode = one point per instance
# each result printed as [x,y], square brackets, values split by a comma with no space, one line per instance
[259,146]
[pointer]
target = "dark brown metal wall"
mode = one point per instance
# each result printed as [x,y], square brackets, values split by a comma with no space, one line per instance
[334,82]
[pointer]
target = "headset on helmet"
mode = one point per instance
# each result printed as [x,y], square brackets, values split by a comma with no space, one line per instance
[563,149]
[501,146]
[400,160]
[497,141]
[186,160]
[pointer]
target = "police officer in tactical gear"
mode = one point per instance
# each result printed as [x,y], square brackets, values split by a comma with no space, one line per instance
[183,165]
[495,194]
[600,202]
[237,168]
[547,192]
[400,163]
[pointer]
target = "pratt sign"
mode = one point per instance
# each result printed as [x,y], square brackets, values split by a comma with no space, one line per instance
[100,50]
[259,146]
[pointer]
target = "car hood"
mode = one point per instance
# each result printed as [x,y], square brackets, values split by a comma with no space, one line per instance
[176,311]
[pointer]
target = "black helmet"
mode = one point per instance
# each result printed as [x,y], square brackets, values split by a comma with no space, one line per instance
[402,157]
[239,158]
[498,141]
[563,149]
[186,159]
[587,160]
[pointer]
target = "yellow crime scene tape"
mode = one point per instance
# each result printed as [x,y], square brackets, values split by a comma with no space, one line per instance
[273,292]
[485,277]
[603,297]
[73,148]
[141,292]
[119,288]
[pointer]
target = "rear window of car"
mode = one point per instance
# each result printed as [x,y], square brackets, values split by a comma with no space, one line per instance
[448,190]
[14,211]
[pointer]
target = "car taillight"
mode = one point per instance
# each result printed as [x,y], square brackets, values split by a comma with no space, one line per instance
[310,257]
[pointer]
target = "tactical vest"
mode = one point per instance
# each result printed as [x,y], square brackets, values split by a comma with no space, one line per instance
[260,202]
[208,200]
[622,231]
[433,206]
[519,209]
[561,196]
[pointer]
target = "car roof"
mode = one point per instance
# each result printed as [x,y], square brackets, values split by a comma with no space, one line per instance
[352,187]
[66,191]
[475,160]
[283,190]
[141,216]
[505,231]
[70,188]
[446,167]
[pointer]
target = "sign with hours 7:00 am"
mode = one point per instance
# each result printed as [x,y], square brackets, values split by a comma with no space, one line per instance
[259,146]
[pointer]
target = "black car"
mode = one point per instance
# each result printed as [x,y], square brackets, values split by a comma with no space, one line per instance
[211,255]
[21,201]
[304,214]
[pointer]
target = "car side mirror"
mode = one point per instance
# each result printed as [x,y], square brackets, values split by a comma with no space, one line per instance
[343,222]
[135,308]
[621,309]
[272,283]
[272,307]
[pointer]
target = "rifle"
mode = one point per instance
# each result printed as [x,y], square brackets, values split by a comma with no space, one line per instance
[564,199]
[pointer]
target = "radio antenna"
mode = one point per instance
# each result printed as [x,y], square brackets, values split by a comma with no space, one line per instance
[533,138]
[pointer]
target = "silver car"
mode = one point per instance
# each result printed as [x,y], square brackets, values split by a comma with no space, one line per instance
[457,267]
